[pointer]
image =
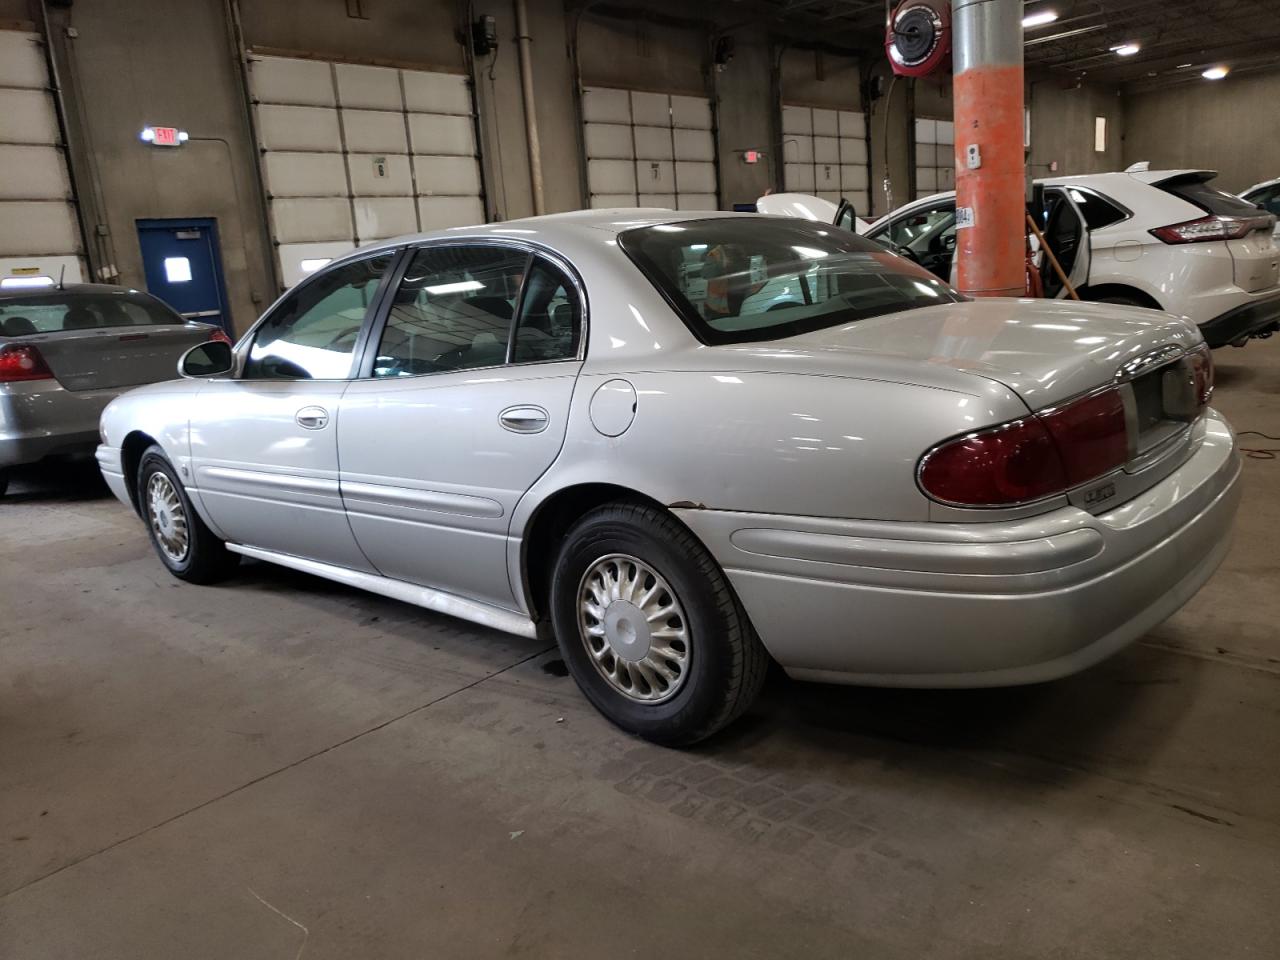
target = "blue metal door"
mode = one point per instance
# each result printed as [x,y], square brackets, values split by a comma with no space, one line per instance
[184,269]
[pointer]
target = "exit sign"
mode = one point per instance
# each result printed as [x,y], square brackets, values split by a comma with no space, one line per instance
[163,136]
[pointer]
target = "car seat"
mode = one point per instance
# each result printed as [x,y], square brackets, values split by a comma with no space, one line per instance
[16,327]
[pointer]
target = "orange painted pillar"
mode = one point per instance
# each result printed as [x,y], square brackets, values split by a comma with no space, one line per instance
[990,176]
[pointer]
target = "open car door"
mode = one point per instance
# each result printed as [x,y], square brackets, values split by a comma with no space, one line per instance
[1067,234]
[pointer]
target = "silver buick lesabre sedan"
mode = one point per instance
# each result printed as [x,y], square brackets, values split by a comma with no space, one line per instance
[686,444]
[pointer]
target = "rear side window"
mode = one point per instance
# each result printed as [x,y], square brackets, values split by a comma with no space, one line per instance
[22,317]
[1209,199]
[1098,213]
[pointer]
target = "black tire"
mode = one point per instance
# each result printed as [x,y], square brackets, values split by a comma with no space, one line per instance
[726,663]
[206,559]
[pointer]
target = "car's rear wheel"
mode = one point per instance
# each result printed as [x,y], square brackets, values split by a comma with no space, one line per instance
[184,544]
[650,628]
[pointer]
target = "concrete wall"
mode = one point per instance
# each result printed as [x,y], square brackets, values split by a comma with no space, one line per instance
[1062,126]
[819,79]
[1231,125]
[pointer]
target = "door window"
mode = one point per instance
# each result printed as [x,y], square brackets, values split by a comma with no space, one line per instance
[1097,212]
[550,323]
[930,237]
[1064,232]
[312,335]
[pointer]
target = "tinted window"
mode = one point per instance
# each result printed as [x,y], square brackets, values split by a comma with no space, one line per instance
[312,335]
[1209,199]
[550,321]
[452,312]
[80,311]
[1098,213]
[736,280]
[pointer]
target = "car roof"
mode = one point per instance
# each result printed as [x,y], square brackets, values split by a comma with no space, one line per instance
[55,292]
[1261,186]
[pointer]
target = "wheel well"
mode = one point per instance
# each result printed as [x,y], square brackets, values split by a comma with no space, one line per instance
[547,529]
[1120,290]
[131,451]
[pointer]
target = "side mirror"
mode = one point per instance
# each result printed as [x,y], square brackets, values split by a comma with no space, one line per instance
[207,360]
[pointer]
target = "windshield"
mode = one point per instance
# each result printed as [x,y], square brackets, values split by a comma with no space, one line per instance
[53,313]
[740,279]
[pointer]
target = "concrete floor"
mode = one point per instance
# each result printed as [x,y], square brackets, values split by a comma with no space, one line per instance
[280,767]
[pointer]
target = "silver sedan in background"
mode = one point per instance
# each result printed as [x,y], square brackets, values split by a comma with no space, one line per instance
[66,352]
[686,444]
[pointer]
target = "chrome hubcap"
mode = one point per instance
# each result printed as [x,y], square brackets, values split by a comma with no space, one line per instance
[634,628]
[168,518]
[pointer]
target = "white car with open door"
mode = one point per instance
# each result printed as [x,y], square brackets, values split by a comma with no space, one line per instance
[1267,196]
[1164,239]
[808,207]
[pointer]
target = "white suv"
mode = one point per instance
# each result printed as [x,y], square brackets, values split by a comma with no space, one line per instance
[1164,239]
[1267,196]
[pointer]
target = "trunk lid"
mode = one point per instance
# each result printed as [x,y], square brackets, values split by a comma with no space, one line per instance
[116,357]
[1256,259]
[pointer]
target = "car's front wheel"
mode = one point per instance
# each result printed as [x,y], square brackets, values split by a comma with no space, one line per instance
[650,628]
[184,544]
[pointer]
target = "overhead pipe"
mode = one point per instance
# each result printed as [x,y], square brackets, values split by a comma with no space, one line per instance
[530,114]
[990,168]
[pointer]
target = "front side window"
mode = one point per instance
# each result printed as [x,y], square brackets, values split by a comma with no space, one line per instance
[313,334]
[738,280]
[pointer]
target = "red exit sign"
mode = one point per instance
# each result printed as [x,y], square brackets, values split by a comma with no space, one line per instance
[164,136]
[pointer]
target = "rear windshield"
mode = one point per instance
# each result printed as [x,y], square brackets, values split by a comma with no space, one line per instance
[745,279]
[22,316]
[1209,199]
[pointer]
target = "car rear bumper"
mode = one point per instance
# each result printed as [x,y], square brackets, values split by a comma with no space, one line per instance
[978,604]
[1242,322]
[41,419]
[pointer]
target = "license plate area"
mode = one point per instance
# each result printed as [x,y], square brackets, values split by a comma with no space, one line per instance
[1163,404]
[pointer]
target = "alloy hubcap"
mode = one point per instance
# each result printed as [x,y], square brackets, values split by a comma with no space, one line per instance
[168,518]
[634,628]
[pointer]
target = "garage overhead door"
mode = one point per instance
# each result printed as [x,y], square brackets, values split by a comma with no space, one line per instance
[824,152]
[39,225]
[649,149]
[352,154]
[935,156]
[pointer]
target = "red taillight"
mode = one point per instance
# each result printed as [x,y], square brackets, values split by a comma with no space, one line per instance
[1029,459]
[219,336]
[1202,368]
[19,363]
[1209,228]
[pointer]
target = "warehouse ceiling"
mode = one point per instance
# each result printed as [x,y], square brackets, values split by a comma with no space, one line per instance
[1176,39]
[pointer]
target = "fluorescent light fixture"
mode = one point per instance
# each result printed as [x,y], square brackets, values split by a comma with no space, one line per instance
[1126,49]
[1039,19]
[462,286]
[18,282]
[312,264]
[1215,73]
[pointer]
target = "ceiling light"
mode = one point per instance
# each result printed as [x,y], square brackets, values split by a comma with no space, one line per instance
[1126,49]
[1039,19]
[1214,73]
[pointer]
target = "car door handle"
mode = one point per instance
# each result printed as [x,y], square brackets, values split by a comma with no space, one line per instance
[312,418]
[524,419]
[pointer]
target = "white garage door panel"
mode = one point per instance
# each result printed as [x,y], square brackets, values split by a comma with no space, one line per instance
[33,173]
[37,228]
[297,260]
[370,131]
[655,176]
[437,134]
[935,158]
[381,219]
[799,177]
[447,176]
[609,141]
[853,178]
[853,124]
[21,60]
[853,150]
[26,116]
[826,150]
[604,105]
[797,148]
[610,201]
[366,183]
[650,109]
[694,145]
[691,113]
[611,176]
[926,155]
[825,123]
[694,177]
[696,201]
[436,93]
[286,80]
[653,143]
[826,177]
[297,128]
[307,220]
[439,212]
[373,88]
[926,180]
[305,174]
[665,200]
[797,120]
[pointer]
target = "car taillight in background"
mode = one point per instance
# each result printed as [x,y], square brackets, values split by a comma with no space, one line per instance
[21,363]
[1212,228]
[1029,459]
[1201,359]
